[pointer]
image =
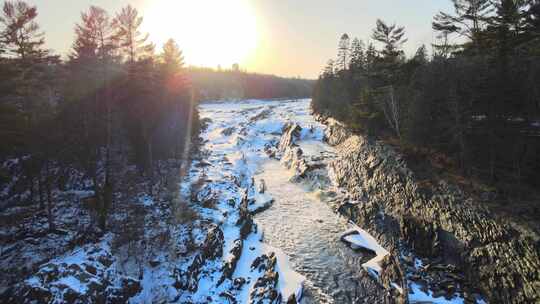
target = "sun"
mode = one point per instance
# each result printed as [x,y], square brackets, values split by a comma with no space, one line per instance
[209,32]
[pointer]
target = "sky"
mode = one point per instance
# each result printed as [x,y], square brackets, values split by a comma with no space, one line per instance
[282,37]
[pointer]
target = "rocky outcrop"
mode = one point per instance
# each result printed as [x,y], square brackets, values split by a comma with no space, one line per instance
[291,132]
[393,279]
[293,156]
[437,221]
[265,288]
[87,276]
[230,266]
[245,219]
[211,249]
[335,132]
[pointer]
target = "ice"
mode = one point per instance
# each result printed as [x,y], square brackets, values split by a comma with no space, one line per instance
[359,238]
[416,295]
[73,283]
[290,282]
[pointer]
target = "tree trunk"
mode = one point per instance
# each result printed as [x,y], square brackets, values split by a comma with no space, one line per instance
[150,164]
[49,197]
[40,192]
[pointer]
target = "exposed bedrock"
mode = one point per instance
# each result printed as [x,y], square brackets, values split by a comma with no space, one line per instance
[211,249]
[96,278]
[265,288]
[438,222]
[307,167]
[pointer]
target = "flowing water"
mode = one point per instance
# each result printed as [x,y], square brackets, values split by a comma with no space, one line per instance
[298,222]
[305,228]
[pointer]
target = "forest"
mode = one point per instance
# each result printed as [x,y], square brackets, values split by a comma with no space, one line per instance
[234,84]
[473,102]
[112,103]
[129,175]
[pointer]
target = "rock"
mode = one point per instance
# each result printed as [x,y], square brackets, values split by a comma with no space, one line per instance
[265,288]
[245,220]
[238,283]
[228,131]
[291,132]
[292,299]
[435,220]
[335,133]
[90,269]
[213,246]
[37,294]
[421,236]
[129,288]
[230,266]
[229,297]
[392,274]
[262,186]
[154,263]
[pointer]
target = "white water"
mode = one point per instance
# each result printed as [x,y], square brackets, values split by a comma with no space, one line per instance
[307,230]
[298,223]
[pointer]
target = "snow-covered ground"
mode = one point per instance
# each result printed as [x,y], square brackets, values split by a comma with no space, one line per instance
[237,144]
[220,255]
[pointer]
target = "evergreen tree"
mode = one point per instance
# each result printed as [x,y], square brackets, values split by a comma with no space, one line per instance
[92,66]
[392,37]
[468,20]
[343,52]
[172,57]
[131,41]
[175,92]
[358,59]
[21,34]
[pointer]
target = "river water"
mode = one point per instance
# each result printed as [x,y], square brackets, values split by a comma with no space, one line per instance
[299,222]
[305,228]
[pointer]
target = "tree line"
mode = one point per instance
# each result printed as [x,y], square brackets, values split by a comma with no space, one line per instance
[222,84]
[477,100]
[113,102]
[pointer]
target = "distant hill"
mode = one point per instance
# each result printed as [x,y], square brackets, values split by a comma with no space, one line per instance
[213,84]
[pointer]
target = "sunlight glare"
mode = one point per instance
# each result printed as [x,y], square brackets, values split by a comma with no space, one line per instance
[209,32]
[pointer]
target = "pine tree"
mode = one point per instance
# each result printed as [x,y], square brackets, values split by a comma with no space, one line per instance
[21,34]
[172,57]
[33,76]
[329,70]
[371,58]
[421,56]
[343,52]
[91,61]
[132,42]
[531,35]
[357,56]
[392,37]
[175,91]
[468,20]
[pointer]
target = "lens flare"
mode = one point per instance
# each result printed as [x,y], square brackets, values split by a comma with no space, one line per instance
[210,32]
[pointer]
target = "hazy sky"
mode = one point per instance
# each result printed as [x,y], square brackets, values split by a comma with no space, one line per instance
[294,37]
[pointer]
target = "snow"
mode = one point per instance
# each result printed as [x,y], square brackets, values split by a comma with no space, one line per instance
[359,238]
[262,201]
[73,283]
[146,200]
[416,295]
[233,152]
[290,282]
